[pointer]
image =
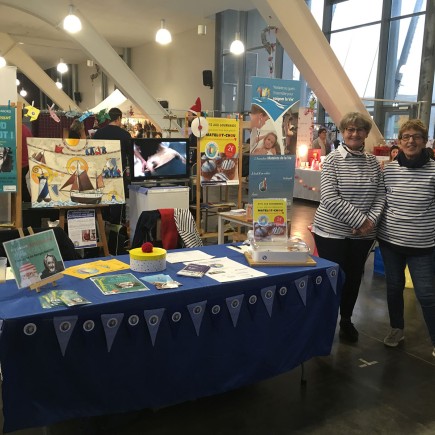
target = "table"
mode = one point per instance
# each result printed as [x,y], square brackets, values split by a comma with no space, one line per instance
[239,219]
[160,347]
[307,184]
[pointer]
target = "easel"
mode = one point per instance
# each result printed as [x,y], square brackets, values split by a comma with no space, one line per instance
[50,279]
[102,242]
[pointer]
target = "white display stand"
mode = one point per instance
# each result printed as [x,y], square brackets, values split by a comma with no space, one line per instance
[152,198]
[307,184]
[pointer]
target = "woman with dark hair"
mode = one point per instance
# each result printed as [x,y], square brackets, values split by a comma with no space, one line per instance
[394,150]
[352,198]
[406,231]
[77,130]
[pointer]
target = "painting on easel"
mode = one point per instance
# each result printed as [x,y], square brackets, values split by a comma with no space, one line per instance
[69,172]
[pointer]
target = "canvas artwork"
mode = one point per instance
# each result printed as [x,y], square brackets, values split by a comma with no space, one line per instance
[68,172]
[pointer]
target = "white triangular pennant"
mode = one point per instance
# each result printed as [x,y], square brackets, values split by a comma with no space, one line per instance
[64,326]
[153,319]
[234,304]
[196,312]
[268,295]
[111,323]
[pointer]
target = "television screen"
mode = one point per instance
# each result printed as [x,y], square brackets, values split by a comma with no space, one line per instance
[159,159]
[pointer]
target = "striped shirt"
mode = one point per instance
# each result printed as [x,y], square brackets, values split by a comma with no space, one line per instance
[351,190]
[409,215]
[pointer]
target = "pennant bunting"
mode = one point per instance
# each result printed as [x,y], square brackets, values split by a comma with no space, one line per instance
[111,323]
[30,329]
[252,305]
[268,295]
[319,280]
[332,273]
[64,327]
[196,312]
[175,323]
[301,286]
[153,319]
[88,326]
[234,305]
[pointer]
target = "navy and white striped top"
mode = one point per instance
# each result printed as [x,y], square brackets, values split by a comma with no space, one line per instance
[409,215]
[351,190]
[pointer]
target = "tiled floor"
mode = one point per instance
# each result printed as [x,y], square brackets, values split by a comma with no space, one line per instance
[364,388]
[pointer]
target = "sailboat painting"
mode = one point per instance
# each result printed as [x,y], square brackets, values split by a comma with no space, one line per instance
[65,172]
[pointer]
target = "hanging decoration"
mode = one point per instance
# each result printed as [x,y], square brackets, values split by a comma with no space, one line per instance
[53,113]
[102,115]
[270,46]
[32,113]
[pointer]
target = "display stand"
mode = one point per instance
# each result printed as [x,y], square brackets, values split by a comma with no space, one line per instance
[102,242]
[16,220]
[50,279]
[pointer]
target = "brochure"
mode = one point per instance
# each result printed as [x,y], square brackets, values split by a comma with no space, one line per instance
[94,268]
[161,281]
[57,298]
[117,284]
[270,219]
[194,270]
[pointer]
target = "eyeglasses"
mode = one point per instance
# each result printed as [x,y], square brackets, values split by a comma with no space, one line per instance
[352,130]
[415,137]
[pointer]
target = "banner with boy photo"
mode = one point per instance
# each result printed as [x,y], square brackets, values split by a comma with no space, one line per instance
[273,137]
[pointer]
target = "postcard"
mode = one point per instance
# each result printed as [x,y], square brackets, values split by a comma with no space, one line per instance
[118,284]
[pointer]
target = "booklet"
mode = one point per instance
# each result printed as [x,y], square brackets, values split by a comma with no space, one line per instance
[97,267]
[60,298]
[161,281]
[194,270]
[117,284]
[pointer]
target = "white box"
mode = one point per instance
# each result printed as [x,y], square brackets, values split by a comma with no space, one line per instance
[145,199]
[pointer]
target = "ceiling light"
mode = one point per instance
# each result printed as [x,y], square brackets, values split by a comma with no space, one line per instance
[237,46]
[163,35]
[59,85]
[17,82]
[71,22]
[23,92]
[62,67]
[2,62]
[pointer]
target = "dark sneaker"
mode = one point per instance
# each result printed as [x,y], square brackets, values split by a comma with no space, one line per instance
[394,337]
[348,332]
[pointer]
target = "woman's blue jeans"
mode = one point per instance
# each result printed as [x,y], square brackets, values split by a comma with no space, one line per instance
[421,269]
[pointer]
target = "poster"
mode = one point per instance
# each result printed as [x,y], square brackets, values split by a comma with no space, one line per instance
[269,219]
[70,172]
[33,258]
[220,152]
[8,149]
[81,228]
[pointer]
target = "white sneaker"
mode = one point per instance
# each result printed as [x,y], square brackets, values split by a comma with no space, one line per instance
[394,337]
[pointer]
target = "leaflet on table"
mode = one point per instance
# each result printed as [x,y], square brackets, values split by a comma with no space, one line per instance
[81,228]
[186,256]
[117,284]
[96,268]
[194,270]
[270,219]
[61,298]
[226,270]
[161,281]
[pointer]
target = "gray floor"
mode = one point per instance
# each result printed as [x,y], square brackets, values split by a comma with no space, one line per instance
[364,388]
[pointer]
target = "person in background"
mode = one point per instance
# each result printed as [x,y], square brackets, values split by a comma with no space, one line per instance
[77,130]
[351,202]
[25,133]
[406,231]
[138,131]
[114,131]
[322,142]
[394,150]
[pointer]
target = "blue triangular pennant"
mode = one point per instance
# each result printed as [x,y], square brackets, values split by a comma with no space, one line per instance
[282,296]
[111,323]
[301,286]
[175,320]
[332,273]
[64,326]
[234,304]
[268,295]
[196,312]
[252,304]
[1,327]
[153,319]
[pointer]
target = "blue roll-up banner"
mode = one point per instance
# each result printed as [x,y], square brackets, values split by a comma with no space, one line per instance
[268,295]
[64,326]
[153,319]
[111,323]
[196,312]
[332,273]
[234,305]
[301,286]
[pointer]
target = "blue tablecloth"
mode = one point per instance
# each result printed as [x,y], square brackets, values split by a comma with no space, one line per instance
[160,347]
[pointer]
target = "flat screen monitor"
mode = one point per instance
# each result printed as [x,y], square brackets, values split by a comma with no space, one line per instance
[159,159]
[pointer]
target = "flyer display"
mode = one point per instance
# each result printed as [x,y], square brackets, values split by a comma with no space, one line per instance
[220,152]
[270,219]
[81,228]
